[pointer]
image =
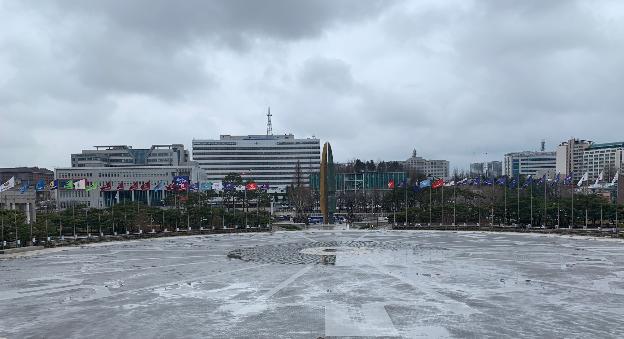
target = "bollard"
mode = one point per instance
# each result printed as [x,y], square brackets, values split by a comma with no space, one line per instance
[115,233]
[140,231]
[189,228]
[33,241]
[4,243]
[201,228]
[47,239]
[101,234]
[18,243]
[127,232]
[62,237]
[177,229]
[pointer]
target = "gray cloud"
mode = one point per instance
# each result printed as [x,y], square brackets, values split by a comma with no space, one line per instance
[453,79]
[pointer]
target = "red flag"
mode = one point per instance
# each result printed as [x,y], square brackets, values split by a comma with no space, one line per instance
[134,186]
[146,186]
[437,184]
[391,184]
[120,186]
[252,186]
[106,187]
[170,187]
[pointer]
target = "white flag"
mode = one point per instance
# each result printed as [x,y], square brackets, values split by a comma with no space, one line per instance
[8,185]
[450,184]
[240,188]
[217,186]
[583,179]
[600,177]
[615,178]
[80,184]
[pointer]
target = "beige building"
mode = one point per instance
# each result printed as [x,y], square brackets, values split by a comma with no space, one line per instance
[429,168]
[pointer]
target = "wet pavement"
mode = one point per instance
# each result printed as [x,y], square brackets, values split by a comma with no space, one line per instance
[319,284]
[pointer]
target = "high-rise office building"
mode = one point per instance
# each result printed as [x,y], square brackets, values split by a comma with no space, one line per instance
[429,168]
[570,157]
[276,160]
[123,155]
[530,163]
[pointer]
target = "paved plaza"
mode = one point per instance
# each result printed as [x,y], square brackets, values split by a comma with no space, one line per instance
[319,284]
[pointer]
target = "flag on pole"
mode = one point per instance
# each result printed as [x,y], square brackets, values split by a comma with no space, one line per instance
[416,188]
[92,186]
[217,186]
[502,181]
[251,186]
[194,187]
[265,187]
[450,184]
[170,187]
[437,183]
[107,186]
[80,184]
[240,188]
[542,180]
[40,186]
[425,183]
[513,184]
[391,184]
[488,182]
[600,178]
[528,182]
[583,179]
[568,179]
[24,186]
[462,182]
[8,185]
[69,185]
[146,186]
[615,178]
[555,182]
[159,186]
[205,186]
[120,186]
[53,185]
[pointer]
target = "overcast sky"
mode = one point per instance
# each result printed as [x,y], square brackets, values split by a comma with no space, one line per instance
[453,79]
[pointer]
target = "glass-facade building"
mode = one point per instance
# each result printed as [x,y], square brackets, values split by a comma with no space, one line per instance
[361,181]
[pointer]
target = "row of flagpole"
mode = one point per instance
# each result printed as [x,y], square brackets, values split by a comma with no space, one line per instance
[440,183]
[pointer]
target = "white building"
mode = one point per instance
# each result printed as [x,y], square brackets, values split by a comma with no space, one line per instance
[530,163]
[123,155]
[602,157]
[570,157]
[267,159]
[115,175]
[429,168]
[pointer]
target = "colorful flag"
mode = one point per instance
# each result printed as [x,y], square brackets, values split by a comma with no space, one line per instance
[146,186]
[24,186]
[555,182]
[69,185]
[251,186]
[170,187]
[425,183]
[600,177]
[159,186]
[80,184]
[528,182]
[416,188]
[134,186]
[8,185]
[488,182]
[542,180]
[106,186]
[450,184]
[40,185]
[265,187]
[194,187]
[615,178]
[391,184]
[437,184]
[502,181]
[513,184]
[583,179]
[53,185]
[120,186]
[92,186]
[568,179]
[205,186]
[217,186]
[240,188]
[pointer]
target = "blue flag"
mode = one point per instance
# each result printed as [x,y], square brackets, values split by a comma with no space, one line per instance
[205,186]
[425,183]
[528,182]
[416,188]
[502,181]
[568,179]
[513,183]
[24,187]
[40,185]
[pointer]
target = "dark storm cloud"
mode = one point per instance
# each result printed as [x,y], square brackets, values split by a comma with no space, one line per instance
[454,79]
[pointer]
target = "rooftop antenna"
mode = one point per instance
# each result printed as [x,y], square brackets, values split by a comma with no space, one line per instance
[543,145]
[269,124]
